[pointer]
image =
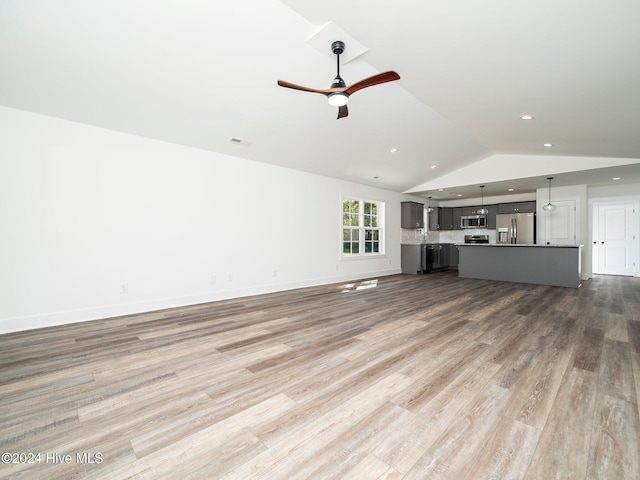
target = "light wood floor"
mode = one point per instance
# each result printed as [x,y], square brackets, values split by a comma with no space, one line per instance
[409,377]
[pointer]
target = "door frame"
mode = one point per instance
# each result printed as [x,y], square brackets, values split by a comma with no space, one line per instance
[609,201]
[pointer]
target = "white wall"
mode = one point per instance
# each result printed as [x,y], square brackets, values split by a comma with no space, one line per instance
[623,191]
[577,194]
[87,212]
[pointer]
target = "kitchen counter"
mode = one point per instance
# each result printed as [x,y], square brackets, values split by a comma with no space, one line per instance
[515,245]
[429,243]
[556,265]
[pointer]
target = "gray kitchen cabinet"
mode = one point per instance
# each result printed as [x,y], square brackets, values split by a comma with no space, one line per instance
[517,207]
[473,210]
[527,207]
[507,207]
[446,255]
[491,216]
[412,215]
[446,218]
[449,218]
[434,218]
[454,256]
[457,218]
[469,210]
[413,258]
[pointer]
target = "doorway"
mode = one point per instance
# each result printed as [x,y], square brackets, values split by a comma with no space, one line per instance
[614,249]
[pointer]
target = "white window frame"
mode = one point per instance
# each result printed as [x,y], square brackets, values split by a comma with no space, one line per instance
[362,229]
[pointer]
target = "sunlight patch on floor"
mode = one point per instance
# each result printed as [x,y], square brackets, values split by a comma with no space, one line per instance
[364,285]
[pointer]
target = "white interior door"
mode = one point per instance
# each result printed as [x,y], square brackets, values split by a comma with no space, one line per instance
[614,249]
[561,223]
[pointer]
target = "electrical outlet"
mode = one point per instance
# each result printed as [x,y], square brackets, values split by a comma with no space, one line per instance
[124,288]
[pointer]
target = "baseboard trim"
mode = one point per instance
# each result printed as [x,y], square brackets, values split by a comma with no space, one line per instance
[53,319]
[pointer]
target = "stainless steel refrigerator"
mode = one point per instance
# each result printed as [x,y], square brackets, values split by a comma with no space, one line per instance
[516,228]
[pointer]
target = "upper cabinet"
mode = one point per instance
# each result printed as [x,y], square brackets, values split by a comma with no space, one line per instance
[456,214]
[519,207]
[447,218]
[412,215]
[441,218]
[471,210]
[435,219]
[491,216]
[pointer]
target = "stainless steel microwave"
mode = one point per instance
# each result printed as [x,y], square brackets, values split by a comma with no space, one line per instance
[473,221]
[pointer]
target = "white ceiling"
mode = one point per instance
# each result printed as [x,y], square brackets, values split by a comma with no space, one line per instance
[200,73]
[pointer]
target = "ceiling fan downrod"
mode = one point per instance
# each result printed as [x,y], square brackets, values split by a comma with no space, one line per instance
[337,48]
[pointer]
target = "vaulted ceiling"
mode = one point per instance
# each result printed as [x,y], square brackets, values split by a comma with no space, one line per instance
[203,74]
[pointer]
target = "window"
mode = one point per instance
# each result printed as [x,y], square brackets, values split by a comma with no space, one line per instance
[362,227]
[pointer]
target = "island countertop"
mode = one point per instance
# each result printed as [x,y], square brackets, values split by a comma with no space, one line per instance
[515,245]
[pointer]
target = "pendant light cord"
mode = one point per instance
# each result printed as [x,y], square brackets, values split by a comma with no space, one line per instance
[549,206]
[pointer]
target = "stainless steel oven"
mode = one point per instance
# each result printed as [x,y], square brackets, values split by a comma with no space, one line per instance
[476,239]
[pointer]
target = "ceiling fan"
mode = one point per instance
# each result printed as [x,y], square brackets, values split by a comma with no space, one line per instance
[338,94]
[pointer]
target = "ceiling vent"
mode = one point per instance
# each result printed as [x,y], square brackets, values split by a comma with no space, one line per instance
[242,143]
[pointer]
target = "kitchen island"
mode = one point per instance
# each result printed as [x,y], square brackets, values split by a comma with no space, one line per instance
[557,265]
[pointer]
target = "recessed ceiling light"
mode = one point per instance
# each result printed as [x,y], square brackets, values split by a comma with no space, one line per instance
[459,195]
[526,117]
[434,166]
[393,150]
[548,145]
[617,178]
[377,177]
[510,189]
[441,189]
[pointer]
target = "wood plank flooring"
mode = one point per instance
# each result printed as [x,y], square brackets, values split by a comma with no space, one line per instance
[401,377]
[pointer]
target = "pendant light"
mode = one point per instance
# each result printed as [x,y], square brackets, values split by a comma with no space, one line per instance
[482,211]
[549,206]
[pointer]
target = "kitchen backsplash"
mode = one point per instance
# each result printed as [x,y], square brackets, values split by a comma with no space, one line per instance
[413,236]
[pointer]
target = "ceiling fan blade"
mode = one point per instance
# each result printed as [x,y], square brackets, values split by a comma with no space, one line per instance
[377,79]
[343,111]
[282,83]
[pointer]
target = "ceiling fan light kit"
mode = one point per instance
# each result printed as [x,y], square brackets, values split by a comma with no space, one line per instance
[338,99]
[338,94]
